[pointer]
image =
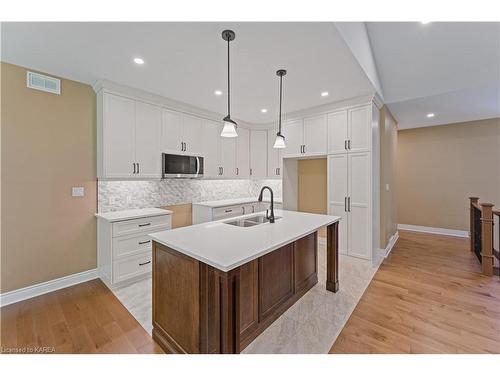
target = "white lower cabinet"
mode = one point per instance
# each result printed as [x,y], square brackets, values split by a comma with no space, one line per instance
[124,248]
[349,196]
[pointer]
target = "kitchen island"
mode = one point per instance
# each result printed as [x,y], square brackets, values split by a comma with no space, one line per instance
[218,285]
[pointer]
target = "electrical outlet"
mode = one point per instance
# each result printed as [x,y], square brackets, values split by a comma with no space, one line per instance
[77,191]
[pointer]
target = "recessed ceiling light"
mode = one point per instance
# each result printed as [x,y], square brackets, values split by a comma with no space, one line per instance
[324,93]
[139,61]
[218,92]
[424,22]
[429,115]
[263,110]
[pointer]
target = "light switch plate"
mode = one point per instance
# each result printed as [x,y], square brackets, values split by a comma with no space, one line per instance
[77,191]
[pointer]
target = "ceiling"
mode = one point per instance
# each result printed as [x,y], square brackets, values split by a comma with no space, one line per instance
[449,69]
[187,61]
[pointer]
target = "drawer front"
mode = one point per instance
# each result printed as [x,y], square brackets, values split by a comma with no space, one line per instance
[132,266]
[144,225]
[229,211]
[124,246]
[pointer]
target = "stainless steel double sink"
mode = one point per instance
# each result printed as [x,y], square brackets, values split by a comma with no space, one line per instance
[250,221]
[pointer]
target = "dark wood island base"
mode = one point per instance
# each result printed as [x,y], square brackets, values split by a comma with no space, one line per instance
[200,309]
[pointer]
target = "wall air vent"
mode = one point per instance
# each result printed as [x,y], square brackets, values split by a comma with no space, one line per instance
[44,83]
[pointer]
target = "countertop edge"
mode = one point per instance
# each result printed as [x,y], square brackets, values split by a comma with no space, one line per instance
[132,216]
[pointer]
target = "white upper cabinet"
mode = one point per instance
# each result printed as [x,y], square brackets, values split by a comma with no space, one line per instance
[258,154]
[227,157]
[306,137]
[210,148]
[315,135]
[360,129]
[118,132]
[171,128]
[274,156]
[243,153]
[147,140]
[129,133]
[181,133]
[337,132]
[293,131]
[350,130]
[191,135]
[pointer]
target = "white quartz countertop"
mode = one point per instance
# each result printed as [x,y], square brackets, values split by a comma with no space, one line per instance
[132,214]
[235,201]
[226,247]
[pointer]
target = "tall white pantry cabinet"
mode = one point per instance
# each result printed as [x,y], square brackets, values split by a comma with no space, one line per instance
[351,184]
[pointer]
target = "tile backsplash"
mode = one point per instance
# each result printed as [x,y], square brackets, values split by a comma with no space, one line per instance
[122,195]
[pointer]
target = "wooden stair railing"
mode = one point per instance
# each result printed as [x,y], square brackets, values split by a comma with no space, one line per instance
[481,233]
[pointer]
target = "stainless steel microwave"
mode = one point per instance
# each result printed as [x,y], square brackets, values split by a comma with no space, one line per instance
[182,166]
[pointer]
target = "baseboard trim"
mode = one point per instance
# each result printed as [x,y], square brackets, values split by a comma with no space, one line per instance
[392,242]
[46,287]
[442,231]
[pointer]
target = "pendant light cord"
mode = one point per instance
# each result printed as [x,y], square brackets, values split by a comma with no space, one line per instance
[228,83]
[281,98]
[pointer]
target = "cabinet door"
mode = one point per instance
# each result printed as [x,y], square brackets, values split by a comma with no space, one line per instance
[337,132]
[147,140]
[359,211]
[315,135]
[337,195]
[210,148]
[243,153]
[118,136]
[293,132]
[360,129]
[258,154]
[228,157]
[192,127]
[171,127]
[274,156]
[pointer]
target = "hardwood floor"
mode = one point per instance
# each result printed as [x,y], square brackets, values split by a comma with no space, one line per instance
[427,297]
[84,318]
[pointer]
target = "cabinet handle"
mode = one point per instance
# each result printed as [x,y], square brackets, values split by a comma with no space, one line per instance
[279,171]
[243,210]
[143,264]
[345,144]
[134,168]
[237,171]
[185,146]
[345,204]
[349,144]
[349,203]
[144,225]
[138,169]
[251,172]
[304,149]
[228,211]
[276,171]
[222,169]
[253,209]
[144,242]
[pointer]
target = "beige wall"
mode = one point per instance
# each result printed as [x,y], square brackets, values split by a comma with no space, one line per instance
[48,145]
[388,166]
[312,187]
[439,167]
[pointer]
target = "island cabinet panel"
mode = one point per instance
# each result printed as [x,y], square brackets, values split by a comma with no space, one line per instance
[306,261]
[249,295]
[176,306]
[275,279]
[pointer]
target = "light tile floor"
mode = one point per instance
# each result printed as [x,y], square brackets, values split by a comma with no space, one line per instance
[310,326]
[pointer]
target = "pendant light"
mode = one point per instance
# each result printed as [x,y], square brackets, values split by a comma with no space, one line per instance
[280,139]
[229,129]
